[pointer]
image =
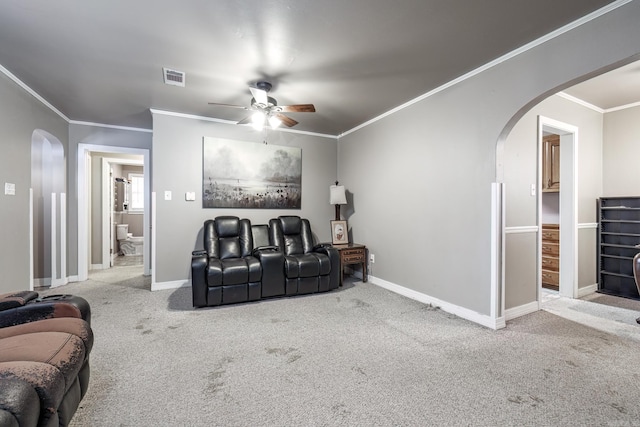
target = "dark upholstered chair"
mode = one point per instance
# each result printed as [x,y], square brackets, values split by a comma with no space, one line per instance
[44,358]
[308,269]
[226,271]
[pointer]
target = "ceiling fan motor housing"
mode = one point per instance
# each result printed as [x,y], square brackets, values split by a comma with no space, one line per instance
[265,86]
[271,103]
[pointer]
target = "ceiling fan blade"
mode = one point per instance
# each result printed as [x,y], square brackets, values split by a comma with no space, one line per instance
[228,105]
[259,95]
[245,121]
[300,108]
[287,121]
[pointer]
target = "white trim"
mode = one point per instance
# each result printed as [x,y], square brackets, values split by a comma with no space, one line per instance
[102,125]
[569,143]
[473,316]
[32,92]
[587,290]
[83,203]
[30,239]
[506,57]
[622,107]
[596,108]
[580,102]
[98,267]
[534,229]
[497,250]
[230,122]
[521,229]
[54,241]
[588,225]
[152,231]
[521,310]
[107,206]
[175,284]
[63,238]
[42,282]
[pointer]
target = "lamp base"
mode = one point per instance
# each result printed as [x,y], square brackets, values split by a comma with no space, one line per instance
[337,212]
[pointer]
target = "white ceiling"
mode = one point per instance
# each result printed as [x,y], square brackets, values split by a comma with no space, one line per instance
[101,61]
[617,88]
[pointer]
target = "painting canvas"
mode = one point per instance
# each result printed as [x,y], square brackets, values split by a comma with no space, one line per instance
[240,174]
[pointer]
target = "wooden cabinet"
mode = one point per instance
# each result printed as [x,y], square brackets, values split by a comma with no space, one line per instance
[352,253]
[550,256]
[551,163]
[618,243]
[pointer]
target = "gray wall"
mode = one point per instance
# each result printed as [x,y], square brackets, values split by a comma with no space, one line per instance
[520,171]
[98,136]
[20,115]
[621,153]
[430,166]
[177,165]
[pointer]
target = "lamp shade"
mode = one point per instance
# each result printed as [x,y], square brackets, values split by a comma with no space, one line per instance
[337,195]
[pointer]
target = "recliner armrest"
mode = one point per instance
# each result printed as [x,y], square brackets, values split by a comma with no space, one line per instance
[322,245]
[16,299]
[198,253]
[264,248]
[34,312]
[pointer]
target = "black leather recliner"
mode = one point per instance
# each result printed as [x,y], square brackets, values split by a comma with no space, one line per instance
[308,268]
[243,262]
[226,271]
[231,268]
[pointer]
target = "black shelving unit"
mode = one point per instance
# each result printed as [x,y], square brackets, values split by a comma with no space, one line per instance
[618,242]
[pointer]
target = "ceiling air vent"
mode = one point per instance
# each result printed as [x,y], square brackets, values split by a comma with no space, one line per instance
[173,77]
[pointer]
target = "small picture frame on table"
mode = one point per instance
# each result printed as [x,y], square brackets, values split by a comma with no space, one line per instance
[339,235]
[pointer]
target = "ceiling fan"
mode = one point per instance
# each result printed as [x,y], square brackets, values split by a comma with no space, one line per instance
[267,112]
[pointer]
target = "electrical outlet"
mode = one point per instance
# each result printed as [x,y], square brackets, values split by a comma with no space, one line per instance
[372,258]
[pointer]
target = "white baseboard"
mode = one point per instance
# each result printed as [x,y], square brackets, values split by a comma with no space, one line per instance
[587,290]
[48,283]
[465,313]
[97,267]
[42,282]
[521,310]
[175,284]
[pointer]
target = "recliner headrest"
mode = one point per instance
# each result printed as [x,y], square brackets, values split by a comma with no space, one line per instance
[291,224]
[227,226]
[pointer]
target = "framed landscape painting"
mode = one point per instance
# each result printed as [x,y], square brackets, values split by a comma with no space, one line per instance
[240,174]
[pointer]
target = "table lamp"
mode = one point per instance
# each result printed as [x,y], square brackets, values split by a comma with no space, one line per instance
[337,197]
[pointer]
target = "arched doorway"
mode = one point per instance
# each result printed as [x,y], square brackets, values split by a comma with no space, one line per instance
[48,211]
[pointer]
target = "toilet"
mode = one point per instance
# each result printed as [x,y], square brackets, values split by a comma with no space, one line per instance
[129,245]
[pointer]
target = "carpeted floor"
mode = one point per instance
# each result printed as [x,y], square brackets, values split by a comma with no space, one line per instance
[357,356]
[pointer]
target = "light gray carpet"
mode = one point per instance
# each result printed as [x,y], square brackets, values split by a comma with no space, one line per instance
[358,356]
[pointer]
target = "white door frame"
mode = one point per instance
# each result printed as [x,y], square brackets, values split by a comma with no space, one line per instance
[83,204]
[108,205]
[568,206]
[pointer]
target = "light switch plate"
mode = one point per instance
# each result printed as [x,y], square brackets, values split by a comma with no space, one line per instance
[167,195]
[9,189]
[190,196]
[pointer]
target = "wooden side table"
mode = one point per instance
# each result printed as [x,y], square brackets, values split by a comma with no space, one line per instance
[352,253]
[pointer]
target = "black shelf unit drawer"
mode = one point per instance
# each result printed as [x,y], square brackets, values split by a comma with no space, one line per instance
[618,243]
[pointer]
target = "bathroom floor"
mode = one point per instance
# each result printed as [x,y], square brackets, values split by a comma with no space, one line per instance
[123,261]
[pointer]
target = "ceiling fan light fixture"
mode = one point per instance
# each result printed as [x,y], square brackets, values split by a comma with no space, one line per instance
[274,122]
[257,120]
